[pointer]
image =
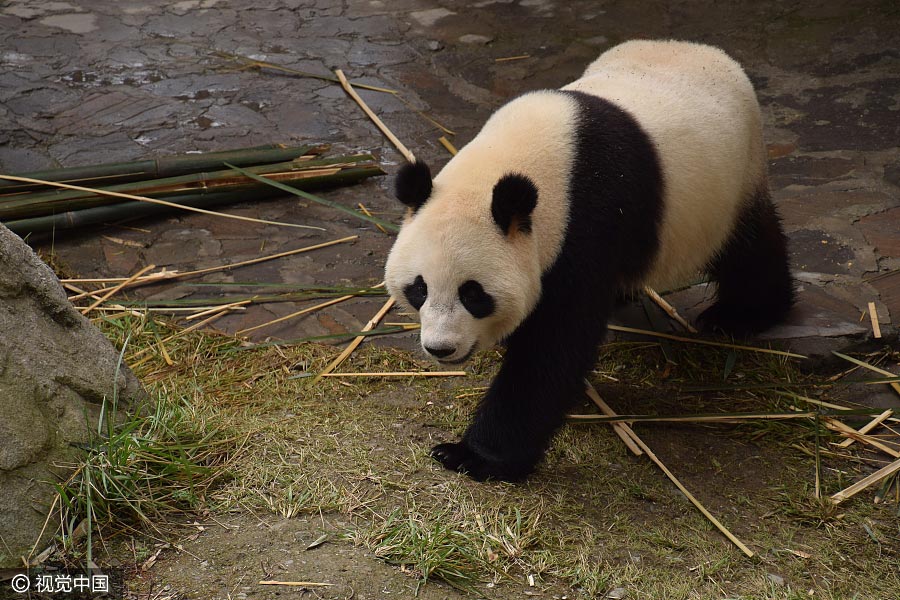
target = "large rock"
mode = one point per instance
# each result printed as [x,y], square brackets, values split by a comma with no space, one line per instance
[55,371]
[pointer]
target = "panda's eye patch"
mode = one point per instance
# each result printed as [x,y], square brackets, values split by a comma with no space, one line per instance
[416,292]
[478,302]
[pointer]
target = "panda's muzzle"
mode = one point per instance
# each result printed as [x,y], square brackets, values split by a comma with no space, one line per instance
[440,354]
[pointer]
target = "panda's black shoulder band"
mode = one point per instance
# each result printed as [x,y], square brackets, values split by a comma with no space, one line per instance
[413,184]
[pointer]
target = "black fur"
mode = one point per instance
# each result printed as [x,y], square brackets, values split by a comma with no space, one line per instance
[478,302]
[416,292]
[514,199]
[754,287]
[413,184]
[616,191]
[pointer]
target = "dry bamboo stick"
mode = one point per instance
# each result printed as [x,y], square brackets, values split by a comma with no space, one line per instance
[178,274]
[618,428]
[866,365]
[153,201]
[668,308]
[509,58]
[215,309]
[737,418]
[866,482]
[378,123]
[119,307]
[873,316]
[684,490]
[867,427]
[679,338]
[400,374]
[294,314]
[357,340]
[836,425]
[446,144]
[365,211]
[295,583]
[104,297]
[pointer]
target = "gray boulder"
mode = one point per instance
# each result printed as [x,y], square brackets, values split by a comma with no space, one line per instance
[55,371]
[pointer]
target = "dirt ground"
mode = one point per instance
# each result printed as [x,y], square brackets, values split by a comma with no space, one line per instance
[103,80]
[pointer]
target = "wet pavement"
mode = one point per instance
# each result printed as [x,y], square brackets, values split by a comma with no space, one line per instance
[116,80]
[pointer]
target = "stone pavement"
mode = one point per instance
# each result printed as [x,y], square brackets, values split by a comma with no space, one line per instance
[114,80]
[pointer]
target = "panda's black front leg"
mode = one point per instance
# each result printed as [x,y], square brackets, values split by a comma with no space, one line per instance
[541,378]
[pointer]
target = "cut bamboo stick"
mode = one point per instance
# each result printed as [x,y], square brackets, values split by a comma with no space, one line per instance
[836,425]
[106,296]
[733,418]
[399,374]
[119,307]
[679,338]
[365,211]
[867,427]
[165,275]
[446,144]
[215,309]
[873,316]
[164,166]
[866,482]
[357,340]
[155,201]
[668,308]
[295,314]
[181,332]
[866,365]
[618,428]
[295,583]
[378,123]
[640,443]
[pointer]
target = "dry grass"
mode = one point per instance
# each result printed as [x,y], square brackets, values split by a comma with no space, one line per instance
[592,519]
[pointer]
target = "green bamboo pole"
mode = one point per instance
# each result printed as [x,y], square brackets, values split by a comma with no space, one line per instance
[24,206]
[165,166]
[129,210]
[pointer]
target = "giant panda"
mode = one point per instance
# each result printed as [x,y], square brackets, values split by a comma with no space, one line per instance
[648,170]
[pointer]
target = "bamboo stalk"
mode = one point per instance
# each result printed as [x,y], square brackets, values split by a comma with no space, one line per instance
[668,308]
[732,418]
[866,482]
[119,307]
[294,314]
[836,425]
[867,427]
[365,211]
[446,144]
[314,198]
[873,316]
[679,338]
[400,374]
[214,309]
[618,428]
[181,332]
[357,340]
[164,166]
[378,123]
[106,296]
[178,275]
[295,583]
[866,365]
[155,201]
[307,174]
[640,443]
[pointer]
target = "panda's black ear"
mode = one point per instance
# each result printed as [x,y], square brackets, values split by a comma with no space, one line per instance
[515,197]
[413,184]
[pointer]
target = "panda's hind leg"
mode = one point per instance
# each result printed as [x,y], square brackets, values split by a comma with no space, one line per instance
[754,287]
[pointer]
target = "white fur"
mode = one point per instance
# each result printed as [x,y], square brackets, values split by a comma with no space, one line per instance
[693,101]
[700,110]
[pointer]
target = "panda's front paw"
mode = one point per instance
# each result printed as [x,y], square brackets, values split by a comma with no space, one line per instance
[461,458]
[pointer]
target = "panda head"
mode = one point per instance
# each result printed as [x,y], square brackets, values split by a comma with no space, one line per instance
[465,259]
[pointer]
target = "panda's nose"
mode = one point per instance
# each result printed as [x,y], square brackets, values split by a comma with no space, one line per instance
[440,352]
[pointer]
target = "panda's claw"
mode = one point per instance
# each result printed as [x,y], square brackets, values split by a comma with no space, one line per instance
[461,458]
